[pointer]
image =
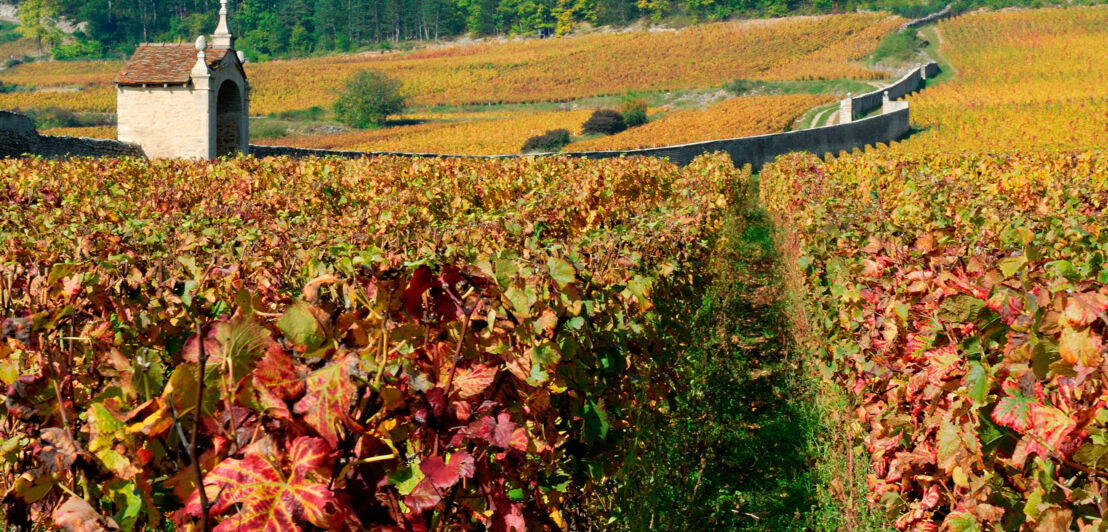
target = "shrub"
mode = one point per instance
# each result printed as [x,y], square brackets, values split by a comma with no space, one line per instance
[897,46]
[740,87]
[550,141]
[604,122]
[634,112]
[311,113]
[267,129]
[368,99]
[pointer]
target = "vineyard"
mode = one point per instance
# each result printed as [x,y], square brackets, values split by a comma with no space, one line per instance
[374,343]
[910,337]
[731,118]
[1025,80]
[490,133]
[961,299]
[700,56]
[528,71]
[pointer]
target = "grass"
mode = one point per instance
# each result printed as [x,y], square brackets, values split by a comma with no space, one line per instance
[809,119]
[900,47]
[931,48]
[744,441]
[745,87]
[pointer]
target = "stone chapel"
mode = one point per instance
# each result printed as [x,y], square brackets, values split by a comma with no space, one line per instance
[185,100]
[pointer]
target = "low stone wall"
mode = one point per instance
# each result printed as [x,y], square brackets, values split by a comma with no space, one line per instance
[911,82]
[757,151]
[290,151]
[18,137]
[65,147]
[17,134]
[947,12]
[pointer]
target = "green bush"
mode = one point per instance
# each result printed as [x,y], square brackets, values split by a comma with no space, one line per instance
[311,113]
[634,112]
[740,87]
[368,99]
[604,122]
[551,141]
[901,45]
[267,129]
[53,117]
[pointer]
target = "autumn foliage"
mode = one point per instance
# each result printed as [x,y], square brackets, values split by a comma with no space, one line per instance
[962,301]
[1024,80]
[385,343]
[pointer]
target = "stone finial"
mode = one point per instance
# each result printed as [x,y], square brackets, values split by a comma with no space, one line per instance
[222,37]
[242,56]
[200,69]
[885,96]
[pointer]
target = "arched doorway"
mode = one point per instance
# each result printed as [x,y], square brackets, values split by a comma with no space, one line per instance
[228,122]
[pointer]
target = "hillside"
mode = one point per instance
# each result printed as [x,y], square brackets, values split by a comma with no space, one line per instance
[459,92]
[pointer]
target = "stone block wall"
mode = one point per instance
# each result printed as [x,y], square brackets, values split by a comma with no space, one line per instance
[65,147]
[17,134]
[911,82]
[18,137]
[947,12]
[756,151]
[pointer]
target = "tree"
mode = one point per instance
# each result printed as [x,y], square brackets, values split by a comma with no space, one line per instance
[368,99]
[38,20]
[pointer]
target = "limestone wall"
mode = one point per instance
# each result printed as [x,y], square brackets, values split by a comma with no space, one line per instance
[65,147]
[17,134]
[869,102]
[947,12]
[756,151]
[18,137]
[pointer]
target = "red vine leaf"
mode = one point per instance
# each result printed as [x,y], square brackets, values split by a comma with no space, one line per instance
[469,382]
[327,403]
[273,496]
[421,281]
[501,432]
[277,372]
[1014,411]
[445,474]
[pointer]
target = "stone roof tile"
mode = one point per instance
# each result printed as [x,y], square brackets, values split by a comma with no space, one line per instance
[165,63]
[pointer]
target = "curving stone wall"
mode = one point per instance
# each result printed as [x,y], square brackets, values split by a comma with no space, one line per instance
[756,151]
[18,137]
[911,82]
[946,12]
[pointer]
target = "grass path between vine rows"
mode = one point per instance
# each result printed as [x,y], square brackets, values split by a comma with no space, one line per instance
[745,443]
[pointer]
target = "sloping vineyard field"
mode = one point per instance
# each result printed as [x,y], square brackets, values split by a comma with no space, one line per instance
[340,344]
[735,117]
[568,68]
[1025,80]
[961,300]
[478,134]
[607,63]
[955,284]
